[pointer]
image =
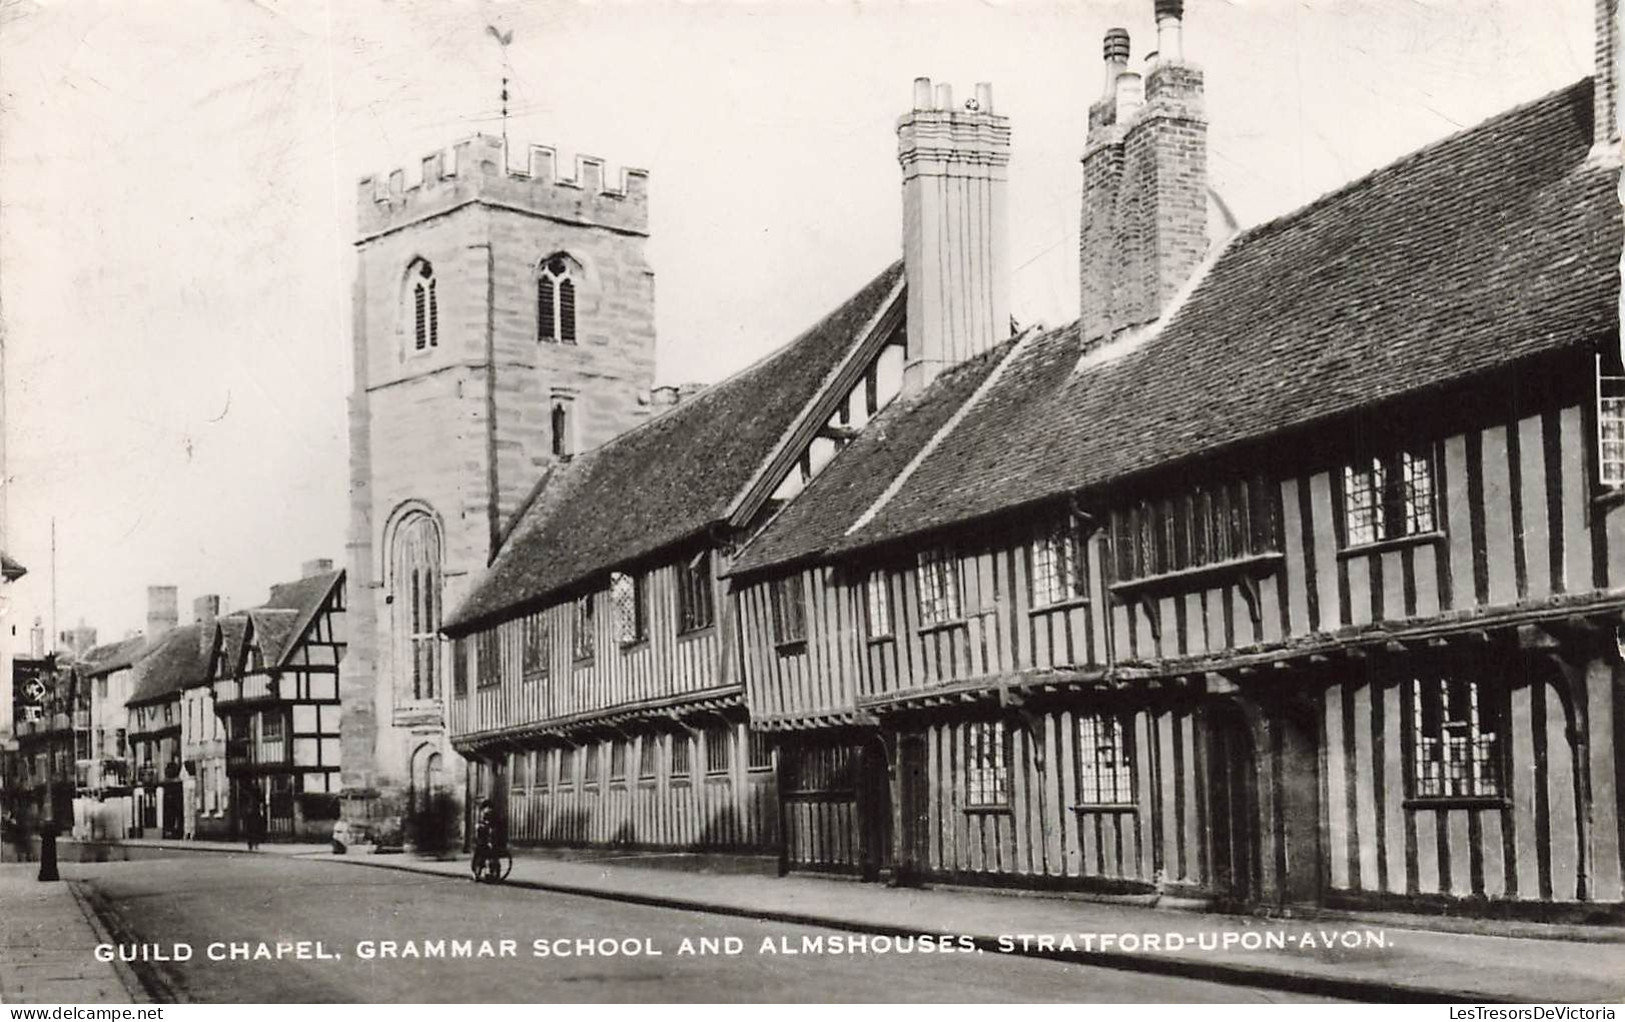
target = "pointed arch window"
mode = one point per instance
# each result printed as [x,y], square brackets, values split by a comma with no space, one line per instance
[415,600]
[425,306]
[556,301]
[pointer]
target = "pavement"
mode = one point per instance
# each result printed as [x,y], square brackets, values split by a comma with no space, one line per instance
[45,931]
[1385,958]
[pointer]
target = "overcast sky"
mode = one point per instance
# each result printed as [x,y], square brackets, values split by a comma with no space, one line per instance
[177,184]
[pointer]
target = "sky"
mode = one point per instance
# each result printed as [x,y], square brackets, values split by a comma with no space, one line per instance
[177,189]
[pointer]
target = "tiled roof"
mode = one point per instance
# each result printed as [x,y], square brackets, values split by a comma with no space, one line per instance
[1483,250]
[817,518]
[175,662]
[233,628]
[111,656]
[279,621]
[670,478]
[273,631]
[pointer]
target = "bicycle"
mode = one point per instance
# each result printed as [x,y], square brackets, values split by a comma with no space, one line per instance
[490,865]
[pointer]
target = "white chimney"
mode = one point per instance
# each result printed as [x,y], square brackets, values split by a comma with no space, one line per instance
[955,247]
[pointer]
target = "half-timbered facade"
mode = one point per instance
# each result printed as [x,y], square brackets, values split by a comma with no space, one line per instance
[273,680]
[1297,581]
[173,663]
[596,680]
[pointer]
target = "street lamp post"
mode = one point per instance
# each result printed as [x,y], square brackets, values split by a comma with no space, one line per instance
[47,831]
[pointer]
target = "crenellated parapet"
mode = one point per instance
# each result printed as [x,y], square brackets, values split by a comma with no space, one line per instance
[478,169]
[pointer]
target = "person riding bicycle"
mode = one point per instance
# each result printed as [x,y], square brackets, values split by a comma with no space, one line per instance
[488,839]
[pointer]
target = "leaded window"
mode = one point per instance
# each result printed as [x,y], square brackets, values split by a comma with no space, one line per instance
[695,607]
[488,664]
[718,749]
[648,757]
[1610,425]
[1105,762]
[987,765]
[583,641]
[415,581]
[535,646]
[631,599]
[682,747]
[617,760]
[759,751]
[939,587]
[425,306]
[1205,525]
[1057,566]
[789,611]
[1456,734]
[1388,497]
[877,604]
[556,302]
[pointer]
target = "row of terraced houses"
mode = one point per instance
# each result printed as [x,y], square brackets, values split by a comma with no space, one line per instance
[177,732]
[1290,573]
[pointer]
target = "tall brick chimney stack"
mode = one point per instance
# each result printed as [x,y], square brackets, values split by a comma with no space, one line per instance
[955,247]
[1144,217]
[1605,94]
[163,610]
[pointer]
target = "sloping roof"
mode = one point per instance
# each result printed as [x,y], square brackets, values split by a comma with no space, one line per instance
[1478,252]
[273,631]
[670,478]
[306,597]
[233,628]
[175,662]
[816,519]
[111,656]
[10,569]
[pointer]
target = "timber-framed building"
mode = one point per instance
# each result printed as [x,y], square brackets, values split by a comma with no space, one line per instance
[1292,573]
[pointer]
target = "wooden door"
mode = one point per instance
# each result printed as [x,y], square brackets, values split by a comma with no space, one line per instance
[1232,793]
[874,809]
[914,795]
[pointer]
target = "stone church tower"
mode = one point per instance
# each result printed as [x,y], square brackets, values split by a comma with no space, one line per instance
[503,320]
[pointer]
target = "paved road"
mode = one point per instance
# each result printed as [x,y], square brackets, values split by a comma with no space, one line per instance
[202,899]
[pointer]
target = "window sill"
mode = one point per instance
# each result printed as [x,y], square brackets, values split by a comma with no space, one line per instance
[682,781]
[1067,604]
[583,661]
[1458,802]
[535,676]
[795,647]
[696,633]
[1382,546]
[1105,807]
[1006,808]
[880,640]
[943,626]
[1251,566]
[1606,498]
[716,775]
[635,645]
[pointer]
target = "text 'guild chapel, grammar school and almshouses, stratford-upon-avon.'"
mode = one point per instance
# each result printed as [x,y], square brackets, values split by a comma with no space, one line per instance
[1291,573]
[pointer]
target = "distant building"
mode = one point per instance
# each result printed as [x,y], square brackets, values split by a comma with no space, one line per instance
[266,727]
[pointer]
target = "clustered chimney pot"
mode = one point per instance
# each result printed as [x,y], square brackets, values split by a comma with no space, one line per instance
[1170,45]
[1116,47]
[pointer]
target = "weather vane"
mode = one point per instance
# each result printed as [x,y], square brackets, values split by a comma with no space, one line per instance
[503,39]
